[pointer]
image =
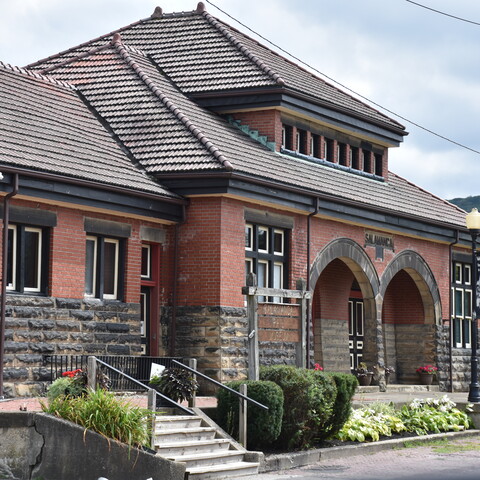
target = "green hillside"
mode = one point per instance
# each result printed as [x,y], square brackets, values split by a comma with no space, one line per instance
[467,203]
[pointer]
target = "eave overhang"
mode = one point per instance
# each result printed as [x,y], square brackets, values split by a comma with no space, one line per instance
[303,200]
[65,190]
[323,112]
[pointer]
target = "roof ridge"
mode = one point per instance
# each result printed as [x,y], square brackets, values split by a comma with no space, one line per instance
[122,50]
[238,44]
[37,75]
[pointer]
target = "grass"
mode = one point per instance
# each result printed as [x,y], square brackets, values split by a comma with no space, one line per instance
[445,445]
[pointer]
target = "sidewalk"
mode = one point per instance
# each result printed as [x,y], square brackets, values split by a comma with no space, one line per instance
[398,394]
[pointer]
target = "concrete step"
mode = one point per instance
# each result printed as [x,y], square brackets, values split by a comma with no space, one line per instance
[221,457]
[394,388]
[187,448]
[175,422]
[223,471]
[184,434]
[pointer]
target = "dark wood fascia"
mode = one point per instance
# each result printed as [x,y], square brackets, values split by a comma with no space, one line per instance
[268,97]
[260,190]
[123,201]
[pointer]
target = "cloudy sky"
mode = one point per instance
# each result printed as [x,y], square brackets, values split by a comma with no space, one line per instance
[419,64]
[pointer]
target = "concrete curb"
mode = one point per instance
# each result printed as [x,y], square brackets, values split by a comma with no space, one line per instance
[285,461]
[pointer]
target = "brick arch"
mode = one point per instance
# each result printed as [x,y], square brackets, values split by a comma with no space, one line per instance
[353,255]
[418,269]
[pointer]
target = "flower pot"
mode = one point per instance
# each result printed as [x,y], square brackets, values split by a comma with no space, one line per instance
[365,380]
[426,378]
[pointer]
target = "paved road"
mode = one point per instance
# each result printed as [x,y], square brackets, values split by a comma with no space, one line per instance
[457,460]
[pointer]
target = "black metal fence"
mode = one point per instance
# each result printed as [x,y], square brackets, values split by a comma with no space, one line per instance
[135,366]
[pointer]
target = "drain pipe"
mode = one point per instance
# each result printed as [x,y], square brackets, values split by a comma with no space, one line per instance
[3,300]
[173,329]
[450,258]
[309,304]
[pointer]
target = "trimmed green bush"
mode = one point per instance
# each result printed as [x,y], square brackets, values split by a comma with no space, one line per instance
[309,398]
[342,408]
[263,427]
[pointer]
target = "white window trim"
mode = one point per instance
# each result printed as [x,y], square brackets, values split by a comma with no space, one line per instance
[282,233]
[458,268]
[263,229]
[249,227]
[469,269]
[114,295]
[147,247]
[94,269]
[277,264]
[11,286]
[39,261]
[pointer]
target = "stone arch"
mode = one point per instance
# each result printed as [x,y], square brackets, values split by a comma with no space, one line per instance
[355,257]
[418,269]
[327,331]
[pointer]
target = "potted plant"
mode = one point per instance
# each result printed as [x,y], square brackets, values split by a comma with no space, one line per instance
[175,383]
[426,374]
[388,372]
[363,374]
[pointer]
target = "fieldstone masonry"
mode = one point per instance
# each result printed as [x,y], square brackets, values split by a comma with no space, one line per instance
[37,326]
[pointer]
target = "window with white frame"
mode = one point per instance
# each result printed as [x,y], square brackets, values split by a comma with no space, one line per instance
[27,259]
[102,267]
[265,252]
[461,299]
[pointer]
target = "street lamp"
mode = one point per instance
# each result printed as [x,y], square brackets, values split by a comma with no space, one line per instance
[473,225]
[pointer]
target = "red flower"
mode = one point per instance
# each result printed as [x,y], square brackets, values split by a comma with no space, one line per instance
[318,367]
[71,373]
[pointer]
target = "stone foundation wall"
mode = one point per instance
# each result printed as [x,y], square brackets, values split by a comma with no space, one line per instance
[332,337]
[36,326]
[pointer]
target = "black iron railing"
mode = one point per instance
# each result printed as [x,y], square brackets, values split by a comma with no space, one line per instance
[134,366]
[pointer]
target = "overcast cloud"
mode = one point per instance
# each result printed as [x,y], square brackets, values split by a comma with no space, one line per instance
[419,64]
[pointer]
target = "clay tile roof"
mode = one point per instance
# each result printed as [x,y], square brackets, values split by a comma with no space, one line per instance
[45,126]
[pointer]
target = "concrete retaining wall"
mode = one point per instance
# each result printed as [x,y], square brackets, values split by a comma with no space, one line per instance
[37,445]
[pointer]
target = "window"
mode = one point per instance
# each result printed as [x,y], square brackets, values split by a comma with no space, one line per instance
[315,146]
[328,148]
[378,164]
[27,259]
[265,252]
[102,267]
[354,158]
[342,154]
[287,131]
[301,141]
[367,161]
[461,304]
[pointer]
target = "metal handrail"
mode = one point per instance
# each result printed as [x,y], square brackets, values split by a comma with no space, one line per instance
[177,405]
[238,394]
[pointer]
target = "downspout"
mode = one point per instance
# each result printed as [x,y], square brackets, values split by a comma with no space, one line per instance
[309,304]
[450,259]
[173,329]
[3,300]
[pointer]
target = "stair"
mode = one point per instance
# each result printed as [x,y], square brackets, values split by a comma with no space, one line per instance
[206,450]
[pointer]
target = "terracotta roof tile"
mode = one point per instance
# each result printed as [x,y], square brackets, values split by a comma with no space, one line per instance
[45,126]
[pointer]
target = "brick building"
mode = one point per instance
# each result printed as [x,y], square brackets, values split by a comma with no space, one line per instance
[181,155]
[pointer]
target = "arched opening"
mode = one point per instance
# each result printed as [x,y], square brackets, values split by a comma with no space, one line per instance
[343,307]
[410,313]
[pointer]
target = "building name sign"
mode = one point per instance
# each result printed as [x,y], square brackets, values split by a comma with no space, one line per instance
[379,240]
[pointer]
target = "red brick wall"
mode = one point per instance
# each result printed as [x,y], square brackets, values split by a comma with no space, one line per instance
[267,122]
[67,253]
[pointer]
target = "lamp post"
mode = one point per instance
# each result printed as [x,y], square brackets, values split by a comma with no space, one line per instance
[473,225]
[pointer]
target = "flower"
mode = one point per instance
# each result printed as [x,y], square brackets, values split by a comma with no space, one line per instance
[72,373]
[317,366]
[389,370]
[362,370]
[428,369]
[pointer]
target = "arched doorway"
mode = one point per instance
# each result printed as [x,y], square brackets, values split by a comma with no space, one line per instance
[343,278]
[411,311]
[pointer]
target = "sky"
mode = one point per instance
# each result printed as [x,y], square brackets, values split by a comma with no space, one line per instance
[416,63]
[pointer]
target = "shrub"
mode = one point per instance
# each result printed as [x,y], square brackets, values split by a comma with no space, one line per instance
[70,383]
[103,413]
[263,427]
[346,385]
[309,396]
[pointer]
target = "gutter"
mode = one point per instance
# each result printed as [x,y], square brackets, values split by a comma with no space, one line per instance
[173,329]
[309,304]
[3,300]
